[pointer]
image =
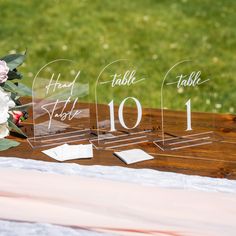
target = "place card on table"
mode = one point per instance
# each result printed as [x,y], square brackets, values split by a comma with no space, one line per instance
[67,152]
[133,156]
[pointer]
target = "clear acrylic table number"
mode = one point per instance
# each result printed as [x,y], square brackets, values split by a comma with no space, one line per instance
[60,112]
[120,122]
[188,88]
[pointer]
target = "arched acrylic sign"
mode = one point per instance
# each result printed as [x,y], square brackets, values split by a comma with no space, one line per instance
[122,121]
[188,88]
[59,115]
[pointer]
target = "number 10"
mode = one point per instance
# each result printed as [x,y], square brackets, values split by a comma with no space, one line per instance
[120,114]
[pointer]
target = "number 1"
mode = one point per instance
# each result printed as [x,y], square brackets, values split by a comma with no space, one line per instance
[112,118]
[189,125]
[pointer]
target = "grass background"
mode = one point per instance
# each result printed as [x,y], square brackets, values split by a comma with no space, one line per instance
[154,33]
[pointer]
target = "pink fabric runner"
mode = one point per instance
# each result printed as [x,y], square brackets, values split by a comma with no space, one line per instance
[110,206]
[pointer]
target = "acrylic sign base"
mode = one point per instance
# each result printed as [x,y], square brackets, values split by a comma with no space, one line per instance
[120,141]
[77,136]
[186,141]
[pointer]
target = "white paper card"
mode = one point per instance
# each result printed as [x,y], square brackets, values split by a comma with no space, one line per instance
[133,155]
[53,152]
[70,152]
[77,152]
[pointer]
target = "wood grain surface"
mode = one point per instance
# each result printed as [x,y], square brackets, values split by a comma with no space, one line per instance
[215,160]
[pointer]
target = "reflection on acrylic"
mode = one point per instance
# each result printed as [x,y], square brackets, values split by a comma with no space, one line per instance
[58,113]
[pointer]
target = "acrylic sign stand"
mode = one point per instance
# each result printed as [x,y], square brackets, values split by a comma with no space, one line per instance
[120,122]
[59,114]
[183,86]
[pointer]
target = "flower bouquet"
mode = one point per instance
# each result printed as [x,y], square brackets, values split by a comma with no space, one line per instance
[12,111]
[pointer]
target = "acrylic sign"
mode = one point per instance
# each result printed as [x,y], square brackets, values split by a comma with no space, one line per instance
[120,122]
[184,87]
[59,115]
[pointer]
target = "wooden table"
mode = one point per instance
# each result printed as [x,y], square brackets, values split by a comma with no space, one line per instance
[215,160]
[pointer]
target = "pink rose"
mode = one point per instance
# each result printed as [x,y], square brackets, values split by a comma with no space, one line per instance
[3,71]
[19,116]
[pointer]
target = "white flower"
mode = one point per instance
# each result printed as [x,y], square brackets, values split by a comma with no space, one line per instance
[4,131]
[3,71]
[5,104]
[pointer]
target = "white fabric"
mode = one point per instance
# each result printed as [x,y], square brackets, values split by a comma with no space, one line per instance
[111,206]
[143,177]
[10,228]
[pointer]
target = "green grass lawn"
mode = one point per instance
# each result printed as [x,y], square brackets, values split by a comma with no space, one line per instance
[154,33]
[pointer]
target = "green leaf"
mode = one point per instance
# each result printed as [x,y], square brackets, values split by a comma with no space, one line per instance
[25,90]
[21,108]
[10,87]
[14,97]
[7,143]
[15,128]
[14,75]
[14,60]
[20,90]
